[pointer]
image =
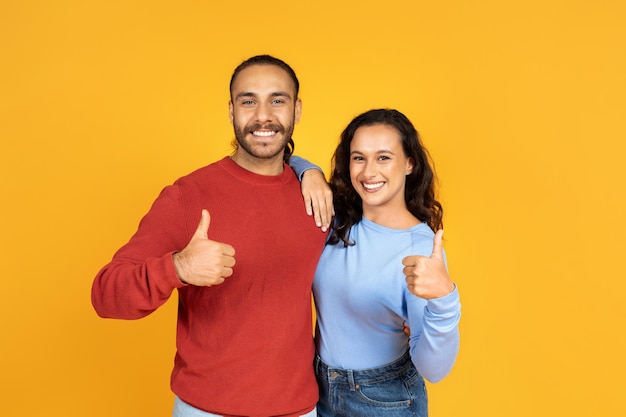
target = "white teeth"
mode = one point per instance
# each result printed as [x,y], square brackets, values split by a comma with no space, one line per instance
[264,134]
[373,186]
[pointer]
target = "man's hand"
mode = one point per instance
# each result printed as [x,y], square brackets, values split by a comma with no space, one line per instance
[427,276]
[204,262]
[318,199]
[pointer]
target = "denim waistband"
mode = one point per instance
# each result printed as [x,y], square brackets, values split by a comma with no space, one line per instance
[363,376]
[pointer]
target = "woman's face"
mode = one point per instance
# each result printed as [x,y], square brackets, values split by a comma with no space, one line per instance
[378,167]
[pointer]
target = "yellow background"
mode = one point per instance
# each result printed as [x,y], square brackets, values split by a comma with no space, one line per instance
[102,103]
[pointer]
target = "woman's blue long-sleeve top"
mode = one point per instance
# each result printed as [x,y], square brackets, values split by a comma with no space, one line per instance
[362,301]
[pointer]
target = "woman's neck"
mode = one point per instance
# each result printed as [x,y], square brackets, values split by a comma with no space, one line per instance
[393,219]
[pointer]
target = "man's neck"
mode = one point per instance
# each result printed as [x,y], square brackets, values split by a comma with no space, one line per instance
[261,166]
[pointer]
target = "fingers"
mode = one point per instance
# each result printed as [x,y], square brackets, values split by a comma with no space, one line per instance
[409,261]
[314,206]
[203,231]
[204,262]
[406,329]
[225,261]
[308,203]
[227,250]
[427,276]
[318,198]
[329,212]
[438,245]
[203,226]
[323,210]
[320,206]
[228,259]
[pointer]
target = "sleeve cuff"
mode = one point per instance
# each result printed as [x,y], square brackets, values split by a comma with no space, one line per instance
[447,304]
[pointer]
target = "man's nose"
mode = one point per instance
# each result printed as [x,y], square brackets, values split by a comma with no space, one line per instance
[263,112]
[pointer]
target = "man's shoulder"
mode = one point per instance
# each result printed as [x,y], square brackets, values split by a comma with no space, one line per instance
[201,174]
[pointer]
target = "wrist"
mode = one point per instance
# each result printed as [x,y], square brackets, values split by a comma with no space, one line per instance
[179,267]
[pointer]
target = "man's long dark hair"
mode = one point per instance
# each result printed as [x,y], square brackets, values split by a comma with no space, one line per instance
[420,188]
[269,60]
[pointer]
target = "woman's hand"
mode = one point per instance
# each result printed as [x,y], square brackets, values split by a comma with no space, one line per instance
[318,198]
[427,276]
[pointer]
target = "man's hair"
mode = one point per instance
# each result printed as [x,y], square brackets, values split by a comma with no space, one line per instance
[269,60]
[266,60]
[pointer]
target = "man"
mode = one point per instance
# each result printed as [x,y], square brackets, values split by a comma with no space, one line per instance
[233,239]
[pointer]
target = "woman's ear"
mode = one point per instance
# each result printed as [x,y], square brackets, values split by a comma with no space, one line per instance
[410,164]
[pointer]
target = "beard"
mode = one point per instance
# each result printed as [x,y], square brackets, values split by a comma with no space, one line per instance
[262,150]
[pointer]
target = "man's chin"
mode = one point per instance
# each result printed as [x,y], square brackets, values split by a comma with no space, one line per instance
[265,152]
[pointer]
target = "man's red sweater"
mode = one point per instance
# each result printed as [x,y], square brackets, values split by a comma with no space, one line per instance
[244,348]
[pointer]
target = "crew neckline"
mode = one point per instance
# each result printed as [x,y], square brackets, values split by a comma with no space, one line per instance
[380,228]
[253,178]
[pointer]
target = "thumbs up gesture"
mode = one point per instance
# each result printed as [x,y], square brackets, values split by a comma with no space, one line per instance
[427,276]
[204,262]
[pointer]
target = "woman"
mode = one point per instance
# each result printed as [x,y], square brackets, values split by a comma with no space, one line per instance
[383,266]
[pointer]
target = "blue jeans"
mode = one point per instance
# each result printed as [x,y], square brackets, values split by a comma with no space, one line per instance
[393,390]
[182,409]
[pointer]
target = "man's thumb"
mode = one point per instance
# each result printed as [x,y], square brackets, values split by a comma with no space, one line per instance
[203,226]
[438,245]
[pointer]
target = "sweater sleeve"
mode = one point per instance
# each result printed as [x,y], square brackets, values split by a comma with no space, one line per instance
[141,276]
[300,165]
[434,342]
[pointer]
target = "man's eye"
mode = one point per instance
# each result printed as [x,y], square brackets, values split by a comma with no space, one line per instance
[278,101]
[247,102]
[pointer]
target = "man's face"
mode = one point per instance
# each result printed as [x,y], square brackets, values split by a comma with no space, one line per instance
[263,110]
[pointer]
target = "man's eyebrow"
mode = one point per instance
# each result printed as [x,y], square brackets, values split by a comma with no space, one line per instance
[245,94]
[274,94]
[280,94]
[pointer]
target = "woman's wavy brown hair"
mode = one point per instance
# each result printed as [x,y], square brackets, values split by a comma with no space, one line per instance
[419,192]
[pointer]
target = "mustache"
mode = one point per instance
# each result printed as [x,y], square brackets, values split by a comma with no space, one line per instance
[270,126]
